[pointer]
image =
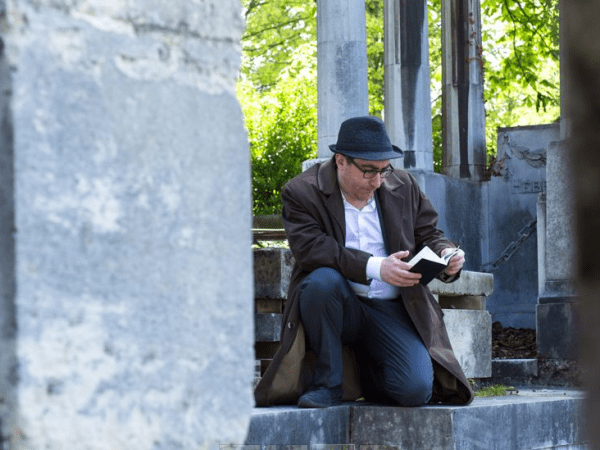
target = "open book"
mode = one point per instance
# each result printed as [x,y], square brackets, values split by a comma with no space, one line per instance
[429,265]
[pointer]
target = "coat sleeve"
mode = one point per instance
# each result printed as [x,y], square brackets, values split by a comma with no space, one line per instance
[312,234]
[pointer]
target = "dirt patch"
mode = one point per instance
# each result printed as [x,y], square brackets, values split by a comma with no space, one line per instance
[513,343]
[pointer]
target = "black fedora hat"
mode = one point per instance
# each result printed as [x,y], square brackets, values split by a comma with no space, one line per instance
[365,138]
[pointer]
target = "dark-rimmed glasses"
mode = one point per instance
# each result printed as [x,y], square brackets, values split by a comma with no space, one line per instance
[370,173]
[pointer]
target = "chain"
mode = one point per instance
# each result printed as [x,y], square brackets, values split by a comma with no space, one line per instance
[512,248]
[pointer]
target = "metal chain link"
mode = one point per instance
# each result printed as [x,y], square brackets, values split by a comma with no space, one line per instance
[512,248]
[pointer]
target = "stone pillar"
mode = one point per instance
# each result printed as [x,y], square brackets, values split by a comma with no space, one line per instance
[342,67]
[463,115]
[557,312]
[126,268]
[407,85]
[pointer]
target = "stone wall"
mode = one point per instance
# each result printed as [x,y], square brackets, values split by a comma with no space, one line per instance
[126,267]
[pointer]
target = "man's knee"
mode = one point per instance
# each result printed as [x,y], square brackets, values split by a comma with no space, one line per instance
[409,392]
[321,285]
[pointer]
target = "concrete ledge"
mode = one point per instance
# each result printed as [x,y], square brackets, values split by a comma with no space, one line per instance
[469,283]
[541,419]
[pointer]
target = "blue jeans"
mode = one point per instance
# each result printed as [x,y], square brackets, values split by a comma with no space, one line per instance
[394,365]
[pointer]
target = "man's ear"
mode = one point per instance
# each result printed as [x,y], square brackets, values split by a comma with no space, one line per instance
[339,158]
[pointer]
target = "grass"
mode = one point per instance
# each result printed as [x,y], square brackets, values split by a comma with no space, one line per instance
[496,390]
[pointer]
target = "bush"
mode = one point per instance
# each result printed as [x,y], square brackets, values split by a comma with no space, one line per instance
[282,130]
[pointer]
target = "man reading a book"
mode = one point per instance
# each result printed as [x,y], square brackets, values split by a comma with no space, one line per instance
[358,322]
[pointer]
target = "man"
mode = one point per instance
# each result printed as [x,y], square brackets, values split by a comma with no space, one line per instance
[357,322]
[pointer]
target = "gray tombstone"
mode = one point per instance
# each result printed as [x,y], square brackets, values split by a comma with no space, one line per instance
[126,270]
[519,177]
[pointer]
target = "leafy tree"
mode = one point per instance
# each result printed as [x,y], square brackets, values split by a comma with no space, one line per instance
[278,94]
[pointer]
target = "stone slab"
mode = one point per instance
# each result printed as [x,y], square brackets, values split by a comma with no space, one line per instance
[514,369]
[272,271]
[129,271]
[541,419]
[469,283]
[556,330]
[267,327]
[470,334]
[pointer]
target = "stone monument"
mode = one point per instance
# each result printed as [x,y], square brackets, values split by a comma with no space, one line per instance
[125,260]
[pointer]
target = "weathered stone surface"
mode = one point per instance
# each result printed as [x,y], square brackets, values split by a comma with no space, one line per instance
[267,327]
[469,283]
[463,302]
[272,271]
[514,369]
[557,331]
[518,178]
[470,334]
[407,85]
[548,419]
[342,67]
[130,278]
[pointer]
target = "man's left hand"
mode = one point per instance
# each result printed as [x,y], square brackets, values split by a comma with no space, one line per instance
[456,262]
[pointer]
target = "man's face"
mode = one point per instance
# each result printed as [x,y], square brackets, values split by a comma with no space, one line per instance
[352,179]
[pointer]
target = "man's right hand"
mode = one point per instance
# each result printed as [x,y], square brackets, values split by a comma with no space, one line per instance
[394,271]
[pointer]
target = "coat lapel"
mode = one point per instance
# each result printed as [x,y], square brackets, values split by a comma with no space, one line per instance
[329,186]
[389,195]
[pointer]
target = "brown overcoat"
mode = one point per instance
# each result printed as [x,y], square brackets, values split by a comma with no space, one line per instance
[313,216]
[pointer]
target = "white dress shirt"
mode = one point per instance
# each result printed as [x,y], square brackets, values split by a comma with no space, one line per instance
[363,232]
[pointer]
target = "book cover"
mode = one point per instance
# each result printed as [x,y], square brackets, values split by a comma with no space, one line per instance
[429,265]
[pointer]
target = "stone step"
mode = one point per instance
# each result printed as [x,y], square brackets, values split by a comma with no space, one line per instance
[529,419]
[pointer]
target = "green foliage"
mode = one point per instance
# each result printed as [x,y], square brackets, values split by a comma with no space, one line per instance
[521,51]
[274,31]
[282,129]
[278,94]
[375,59]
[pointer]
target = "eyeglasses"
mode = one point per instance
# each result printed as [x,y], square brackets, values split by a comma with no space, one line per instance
[368,173]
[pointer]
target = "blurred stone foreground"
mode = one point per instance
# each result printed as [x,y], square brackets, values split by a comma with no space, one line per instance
[125,243]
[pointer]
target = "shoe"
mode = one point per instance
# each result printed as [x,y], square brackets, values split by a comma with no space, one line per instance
[321,398]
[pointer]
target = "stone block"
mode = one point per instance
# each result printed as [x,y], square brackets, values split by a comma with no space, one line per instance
[469,283]
[130,271]
[514,369]
[267,327]
[476,302]
[557,330]
[272,271]
[543,419]
[470,334]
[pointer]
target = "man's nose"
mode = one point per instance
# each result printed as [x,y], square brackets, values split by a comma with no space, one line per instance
[377,180]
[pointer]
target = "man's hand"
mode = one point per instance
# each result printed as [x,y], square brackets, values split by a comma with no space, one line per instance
[456,262]
[394,271]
